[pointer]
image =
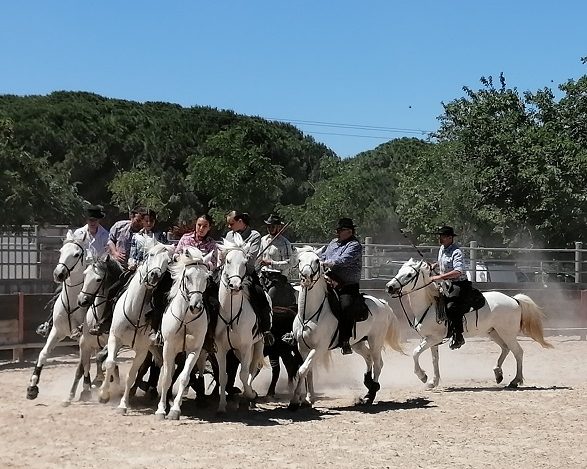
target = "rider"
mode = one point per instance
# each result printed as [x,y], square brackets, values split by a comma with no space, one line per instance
[344,257]
[119,243]
[275,271]
[98,239]
[201,239]
[451,265]
[238,222]
[137,251]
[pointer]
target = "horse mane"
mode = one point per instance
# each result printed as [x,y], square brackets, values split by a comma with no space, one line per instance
[237,243]
[305,249]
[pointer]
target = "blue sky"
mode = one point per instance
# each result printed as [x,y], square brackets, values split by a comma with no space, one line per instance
[367,64]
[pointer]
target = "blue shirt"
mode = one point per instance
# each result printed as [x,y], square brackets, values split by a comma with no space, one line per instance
[452,258]
[345,258]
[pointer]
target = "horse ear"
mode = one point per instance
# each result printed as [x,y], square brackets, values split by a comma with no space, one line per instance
[69,235]
[208,258]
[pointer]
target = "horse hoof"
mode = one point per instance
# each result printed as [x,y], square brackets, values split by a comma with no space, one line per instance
[173,415]
[32,392]
[498,376]
[121,410]
[424,378]
[159,417]
[103,400]
[85,396]
[65,403]
[367,400]
[293,406]
[513,385]
[97,383]
[306,404]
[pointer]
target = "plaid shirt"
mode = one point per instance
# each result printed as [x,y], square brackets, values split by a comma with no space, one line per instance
[207,245]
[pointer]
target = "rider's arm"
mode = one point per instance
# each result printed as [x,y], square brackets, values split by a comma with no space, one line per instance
[351,253]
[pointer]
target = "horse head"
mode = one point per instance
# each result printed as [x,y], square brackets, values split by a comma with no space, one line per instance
[236,254]
[413,275]
[74,255]
[308,260]
[99,275]
[190,276]
[156,262]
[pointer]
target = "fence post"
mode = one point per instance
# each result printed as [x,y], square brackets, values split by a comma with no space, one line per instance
[368,257]
[473,259]
[17,352]
[578,261]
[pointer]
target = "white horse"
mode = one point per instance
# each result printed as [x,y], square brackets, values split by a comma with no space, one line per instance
[184,325]
[129,326]
[67,314]
[315,329]
[237,326]
[99,278]
[501,319]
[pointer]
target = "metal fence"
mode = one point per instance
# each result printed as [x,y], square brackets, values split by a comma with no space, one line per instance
[484,264]
[19,254]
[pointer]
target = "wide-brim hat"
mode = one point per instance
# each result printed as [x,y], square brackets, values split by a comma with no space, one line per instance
[445,231]
[95,211]
[274,220]
[345,223]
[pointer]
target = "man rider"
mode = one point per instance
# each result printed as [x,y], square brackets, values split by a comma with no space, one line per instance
[344,257]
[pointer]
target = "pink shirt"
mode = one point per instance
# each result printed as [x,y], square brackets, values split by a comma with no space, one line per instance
[207,245]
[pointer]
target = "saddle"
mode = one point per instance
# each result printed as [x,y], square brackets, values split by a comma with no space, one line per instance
[360,309]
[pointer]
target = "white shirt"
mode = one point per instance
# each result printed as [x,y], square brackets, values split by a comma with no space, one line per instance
[280,253]
[98,242]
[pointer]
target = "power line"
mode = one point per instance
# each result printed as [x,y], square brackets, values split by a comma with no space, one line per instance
[380,137]
[352,126]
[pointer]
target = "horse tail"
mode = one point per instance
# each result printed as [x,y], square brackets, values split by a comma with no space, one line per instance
[531,319]
[393,336]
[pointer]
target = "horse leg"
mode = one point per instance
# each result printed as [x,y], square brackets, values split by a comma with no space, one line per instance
[301,378]
[101,355]
[54,337]
[497,371]
[371,385]
[165,378]
[222,379]
[420,373]
[514,346]
[275,370]
[244,373]
[435,367]
[110,365]
[184,381]
[143,369]
[140,354]
[83,369]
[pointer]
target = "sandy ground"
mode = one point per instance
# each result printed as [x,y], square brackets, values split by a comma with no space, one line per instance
[468,422]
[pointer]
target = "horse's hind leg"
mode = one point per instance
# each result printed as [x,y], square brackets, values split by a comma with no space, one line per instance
[371,384]
[514,346]
[497,371]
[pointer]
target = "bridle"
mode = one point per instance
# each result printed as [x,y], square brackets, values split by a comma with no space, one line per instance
[413,280]
[79,259]
[315,274]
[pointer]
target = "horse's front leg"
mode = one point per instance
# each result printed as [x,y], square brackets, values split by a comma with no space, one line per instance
[54,338]
[420,373]
[301,380]
[110,367]
[164,384]
[184,381]
[222,380]
[83,369]
[141,350]
[435,365]
[244,372]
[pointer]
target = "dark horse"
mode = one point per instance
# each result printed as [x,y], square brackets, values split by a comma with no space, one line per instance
[284,307]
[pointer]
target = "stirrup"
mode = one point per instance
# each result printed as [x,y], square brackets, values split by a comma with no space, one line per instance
[43,329]
[457,342]
[289,338]
[345,348]
[268,338]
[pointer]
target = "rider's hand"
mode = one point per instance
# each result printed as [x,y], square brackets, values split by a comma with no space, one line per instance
[436,278]
[327,264]
[266,262]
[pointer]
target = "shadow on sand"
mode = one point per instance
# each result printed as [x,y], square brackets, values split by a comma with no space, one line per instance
[386,406]
[505,388]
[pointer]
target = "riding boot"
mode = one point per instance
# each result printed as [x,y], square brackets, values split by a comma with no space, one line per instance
[457,326]
[232,364]
[212,307]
